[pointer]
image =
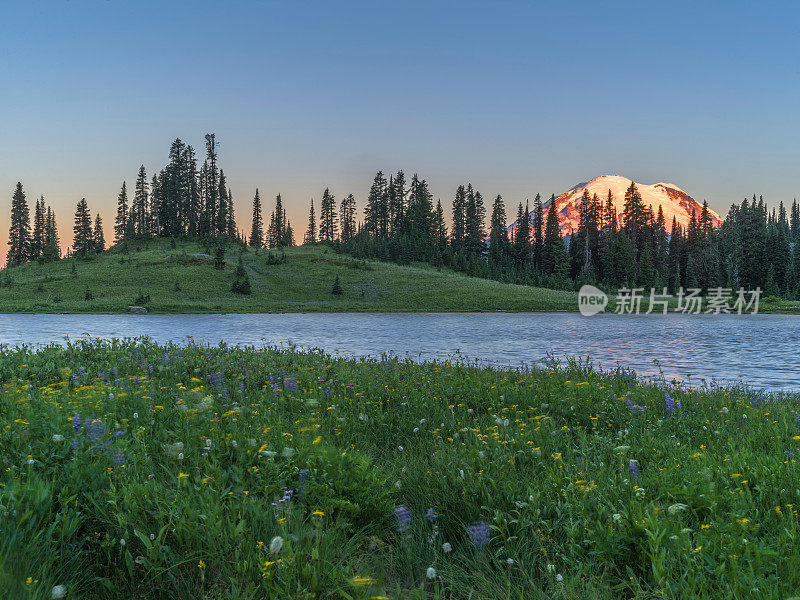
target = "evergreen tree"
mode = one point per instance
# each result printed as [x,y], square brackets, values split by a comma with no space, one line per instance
[52,245]
[37,237]
[498,237]
[440,228]
[223,208]
[98,237]
[211,186]
[522,238]
[347,219]
[82,235]
[311,230]
[474,216]
[327,217]
[19,233]
[139,209]
[121,220]
[555,259]
[376,212]
[396,193]
[257,229]
[538,229]
[458,233]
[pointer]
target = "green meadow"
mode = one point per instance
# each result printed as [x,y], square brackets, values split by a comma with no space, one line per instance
[185,280]
[133,470]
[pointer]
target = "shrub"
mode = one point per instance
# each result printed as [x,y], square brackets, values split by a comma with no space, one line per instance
[142,299]
[336,290]
[88,294]
[241,281]
[219,258]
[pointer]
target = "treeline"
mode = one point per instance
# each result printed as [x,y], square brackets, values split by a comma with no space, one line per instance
[752,248]
[27,243]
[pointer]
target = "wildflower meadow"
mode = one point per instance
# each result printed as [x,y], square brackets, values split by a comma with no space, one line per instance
[137,470]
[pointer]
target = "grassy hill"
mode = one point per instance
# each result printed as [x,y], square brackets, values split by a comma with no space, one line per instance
[178,282]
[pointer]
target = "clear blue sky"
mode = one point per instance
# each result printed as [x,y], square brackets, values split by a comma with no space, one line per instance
[516,97]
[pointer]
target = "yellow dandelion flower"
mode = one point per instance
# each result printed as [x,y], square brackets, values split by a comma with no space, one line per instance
[182,475]
[318,513]
[360,580]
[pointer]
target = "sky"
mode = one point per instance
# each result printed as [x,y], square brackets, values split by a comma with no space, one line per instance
[514,97]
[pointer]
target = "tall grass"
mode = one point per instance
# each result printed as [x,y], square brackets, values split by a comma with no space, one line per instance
[133,470]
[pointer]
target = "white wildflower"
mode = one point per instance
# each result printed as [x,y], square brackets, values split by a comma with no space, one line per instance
[550,567]
[397,484]
[559,578]
[276,544]
[416,429]
[122,541]
[617,517]
[59,591]
[431,573]
[58,438]
[509,561]
[446,547]
[268,453]
[180,456]
[287,452]
[725,409]
[135,415]
[400,448]
[676,508]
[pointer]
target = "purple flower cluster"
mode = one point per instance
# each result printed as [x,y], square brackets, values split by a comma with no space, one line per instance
[95,430]
[634,468]
[431,514]
[671,404]
[480,533]
[403,517]
[287,495]
[76,423]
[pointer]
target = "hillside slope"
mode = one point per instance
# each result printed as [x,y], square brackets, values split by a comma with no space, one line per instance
[178,283]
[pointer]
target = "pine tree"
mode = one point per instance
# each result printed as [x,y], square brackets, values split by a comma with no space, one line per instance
[19,233]
[459,206]
[376,210]
[498,237]
[474,216]
[396,193]
[231,225]
[347,218]
[221,224]
[82,238]
[555,259]
[440,228]
[327,217]
[538,229]
[139,209]
[37,238]
[257,229]
[311,230]
[211,186]
[522,237]
[121,220]
[276,233]
[98,237]
[52,245]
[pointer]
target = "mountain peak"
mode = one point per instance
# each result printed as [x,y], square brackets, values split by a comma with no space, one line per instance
[673,200]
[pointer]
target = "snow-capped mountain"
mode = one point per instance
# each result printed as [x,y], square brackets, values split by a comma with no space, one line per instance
[672,199]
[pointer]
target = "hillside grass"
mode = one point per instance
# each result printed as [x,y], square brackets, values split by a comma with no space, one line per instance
[302,284]
[132,470]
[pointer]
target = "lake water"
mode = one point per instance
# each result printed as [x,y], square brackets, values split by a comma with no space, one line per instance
[761,350]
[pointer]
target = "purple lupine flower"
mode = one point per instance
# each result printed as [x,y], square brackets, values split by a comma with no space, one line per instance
[403,517]
[479,532]
[76,423]
[431,514]
[670,404]
[634,467]
[119,458]
[95,430]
